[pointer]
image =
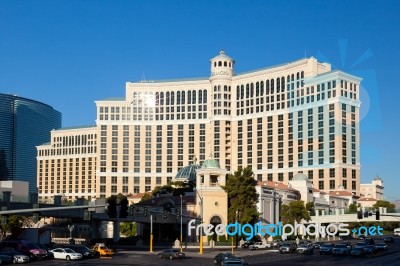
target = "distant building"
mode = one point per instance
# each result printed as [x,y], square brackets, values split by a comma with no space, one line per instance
[24,124]
[19,190]
[373,190]
[367,202]
[67,165]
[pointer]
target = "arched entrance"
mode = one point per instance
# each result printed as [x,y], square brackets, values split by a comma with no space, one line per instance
[215,220]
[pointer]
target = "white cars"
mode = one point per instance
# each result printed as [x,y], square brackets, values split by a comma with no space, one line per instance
[66,254]
[259,245]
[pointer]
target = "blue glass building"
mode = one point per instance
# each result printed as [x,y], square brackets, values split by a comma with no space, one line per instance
[24,124]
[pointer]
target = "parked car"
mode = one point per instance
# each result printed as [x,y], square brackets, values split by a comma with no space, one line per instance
[388,239]
[5,259]
[341,249]
[276,243]
[370,250]
[357,251]
[347,243]
[369,241]
[326,249]
[25,247]
[259,245]
[171,254]
[317,245]
[233,261]
[66,254]
[304,241]
[305,249]
[85,251]
[247,244]
[220,257]
[16,256]
[287,247]
[360,245]
[381,246]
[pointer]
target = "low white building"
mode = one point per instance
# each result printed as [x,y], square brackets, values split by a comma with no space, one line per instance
[273,194]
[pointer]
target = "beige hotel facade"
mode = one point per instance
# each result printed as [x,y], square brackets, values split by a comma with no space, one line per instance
[298,117]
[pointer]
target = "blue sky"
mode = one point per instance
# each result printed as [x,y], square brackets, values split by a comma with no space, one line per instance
[69,54]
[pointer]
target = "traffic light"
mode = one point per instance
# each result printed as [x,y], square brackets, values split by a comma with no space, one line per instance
[145,211]
[377,215]
[359,215]
[87,215]
[178,215]
[132,210]
[112,207]
[4,219]
[36,217]
[123,212]
[165,214]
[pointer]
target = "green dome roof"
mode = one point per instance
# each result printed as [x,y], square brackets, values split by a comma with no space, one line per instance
[210,163]
[187,173]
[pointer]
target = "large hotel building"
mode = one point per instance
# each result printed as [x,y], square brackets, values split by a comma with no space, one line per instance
[298,117]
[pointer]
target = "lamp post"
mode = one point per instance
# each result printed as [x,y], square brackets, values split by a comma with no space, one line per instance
[201,216]
[151,232]
[262,210]
[181,222]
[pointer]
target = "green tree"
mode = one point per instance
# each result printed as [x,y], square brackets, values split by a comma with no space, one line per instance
[310,208]
[384,203]
[352,208]
[128,229]
[294,211]
[145,197]
[162,190]
[14,223]
[242,196]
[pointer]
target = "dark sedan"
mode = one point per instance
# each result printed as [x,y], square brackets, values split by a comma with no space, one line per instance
[171,254]
[370,250]
[326,249]
[221,257]
[381,246]
[317,245]
[341,249]
[357,252]
[388,239]
[247,244]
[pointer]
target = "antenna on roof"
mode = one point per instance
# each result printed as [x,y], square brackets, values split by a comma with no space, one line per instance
[305,53]
[143,78]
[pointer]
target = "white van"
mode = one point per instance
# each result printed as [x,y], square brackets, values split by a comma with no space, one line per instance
[396,232]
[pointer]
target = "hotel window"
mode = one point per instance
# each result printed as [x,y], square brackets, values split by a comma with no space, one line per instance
[331,184]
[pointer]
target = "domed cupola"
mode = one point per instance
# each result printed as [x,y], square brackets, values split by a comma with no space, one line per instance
[187,173]
[222,66]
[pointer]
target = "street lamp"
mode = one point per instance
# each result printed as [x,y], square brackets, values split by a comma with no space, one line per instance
[201,216]
[151,232]
[181,221]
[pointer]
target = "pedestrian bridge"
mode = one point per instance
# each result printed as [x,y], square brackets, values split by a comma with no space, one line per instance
[340,217]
